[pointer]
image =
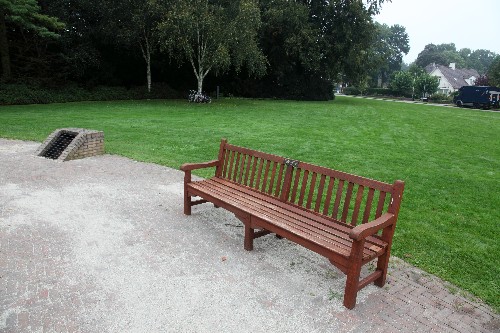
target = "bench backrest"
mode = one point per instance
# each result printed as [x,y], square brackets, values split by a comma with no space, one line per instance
[332,194]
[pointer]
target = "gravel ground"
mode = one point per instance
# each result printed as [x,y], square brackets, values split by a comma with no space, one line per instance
[101,245]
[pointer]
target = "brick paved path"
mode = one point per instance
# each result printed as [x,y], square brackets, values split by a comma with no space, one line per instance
[101,245]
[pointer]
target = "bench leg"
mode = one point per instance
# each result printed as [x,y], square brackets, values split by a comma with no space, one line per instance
[187,203]
[249,233]
[382,265]
[383,260]
[351,287]
[187,197]
[353,273]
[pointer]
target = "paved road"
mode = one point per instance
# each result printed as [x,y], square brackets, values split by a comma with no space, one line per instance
[419,102]
[101,245]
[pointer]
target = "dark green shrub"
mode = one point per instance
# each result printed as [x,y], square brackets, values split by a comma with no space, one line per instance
[11,94]
[441,98]
[294,87]
[351,91]
[307,88]
[379,92]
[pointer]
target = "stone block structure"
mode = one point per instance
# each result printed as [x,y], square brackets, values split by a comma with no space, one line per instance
[72,143]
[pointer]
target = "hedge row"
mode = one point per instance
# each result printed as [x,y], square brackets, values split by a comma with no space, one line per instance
[436,98]
[369,91]
[11,94]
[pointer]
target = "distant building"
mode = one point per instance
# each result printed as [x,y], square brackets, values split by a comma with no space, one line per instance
[450,78]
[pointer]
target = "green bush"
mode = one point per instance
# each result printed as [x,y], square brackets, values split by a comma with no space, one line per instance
[11,94]
[351,91]
[441,98]
[402,83]
[379,92]
[295,86]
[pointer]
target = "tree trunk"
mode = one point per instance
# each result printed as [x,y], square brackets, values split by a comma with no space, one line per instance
[198,72]
[148,71]
[200,83]
[4,49]
[146,54]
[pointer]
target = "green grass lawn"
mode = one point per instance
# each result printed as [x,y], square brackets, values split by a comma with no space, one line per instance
[448,157]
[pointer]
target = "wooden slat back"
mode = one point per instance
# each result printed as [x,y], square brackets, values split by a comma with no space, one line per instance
[338,195]
[260,171]
[329,193]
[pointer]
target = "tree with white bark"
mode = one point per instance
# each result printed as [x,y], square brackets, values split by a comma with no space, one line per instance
[213,35]
[135,23]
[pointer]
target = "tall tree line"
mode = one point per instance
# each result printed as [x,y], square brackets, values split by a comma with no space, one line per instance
[279,48]
[444,54]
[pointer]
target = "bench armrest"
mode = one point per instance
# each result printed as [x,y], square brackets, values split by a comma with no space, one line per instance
[364,230]
[194,166]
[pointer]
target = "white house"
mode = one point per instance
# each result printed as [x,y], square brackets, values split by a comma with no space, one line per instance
[451,78]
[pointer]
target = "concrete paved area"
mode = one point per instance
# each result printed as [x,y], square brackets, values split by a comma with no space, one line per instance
[101,245]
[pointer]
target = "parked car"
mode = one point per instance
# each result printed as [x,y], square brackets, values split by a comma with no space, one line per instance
[478,97]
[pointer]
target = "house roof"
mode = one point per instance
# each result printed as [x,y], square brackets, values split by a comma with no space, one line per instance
[456,77]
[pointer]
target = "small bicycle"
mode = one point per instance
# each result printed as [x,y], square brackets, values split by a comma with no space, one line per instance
[196,97]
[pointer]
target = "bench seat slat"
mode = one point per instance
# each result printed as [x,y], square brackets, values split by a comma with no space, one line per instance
[309,222]
[299,211]
[254,206]
[334,240]
[233,202]
[256,200]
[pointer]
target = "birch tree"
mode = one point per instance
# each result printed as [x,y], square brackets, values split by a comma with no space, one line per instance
[213,36]
[135,23]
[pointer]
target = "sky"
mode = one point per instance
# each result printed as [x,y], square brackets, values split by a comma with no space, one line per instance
[473,24]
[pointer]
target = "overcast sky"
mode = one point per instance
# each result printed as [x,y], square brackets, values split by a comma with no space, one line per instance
[473,24]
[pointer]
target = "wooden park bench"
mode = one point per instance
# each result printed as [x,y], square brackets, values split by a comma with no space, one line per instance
[348,219]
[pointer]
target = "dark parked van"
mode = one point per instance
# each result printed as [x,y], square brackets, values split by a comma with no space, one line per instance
[478,97]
